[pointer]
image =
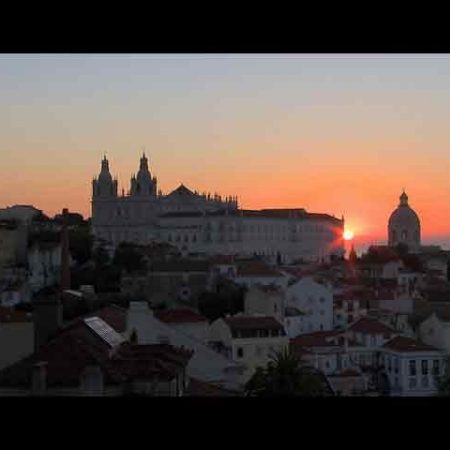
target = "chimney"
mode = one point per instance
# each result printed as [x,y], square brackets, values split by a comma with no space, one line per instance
[65,255]
[39,378]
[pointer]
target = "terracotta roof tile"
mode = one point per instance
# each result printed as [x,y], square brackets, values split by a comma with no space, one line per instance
[257,269]
[367,325]
[406,344]
[69,353]
[316,339]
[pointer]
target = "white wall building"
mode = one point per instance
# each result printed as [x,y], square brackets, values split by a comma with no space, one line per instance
[44,264]
[187,322]
[211,225]
[412,367]
[315,300]
[250,340]
[206,364]
[435,331]
[265,301]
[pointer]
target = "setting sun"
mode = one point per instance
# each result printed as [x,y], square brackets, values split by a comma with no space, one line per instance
[348,235]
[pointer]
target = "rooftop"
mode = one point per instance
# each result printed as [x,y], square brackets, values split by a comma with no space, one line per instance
[316,339]
[406,344]
[367,325]
[257,269]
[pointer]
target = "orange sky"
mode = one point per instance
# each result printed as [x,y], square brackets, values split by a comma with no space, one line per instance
[334,134]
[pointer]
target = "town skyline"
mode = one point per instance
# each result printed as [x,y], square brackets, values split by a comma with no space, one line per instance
[335,134]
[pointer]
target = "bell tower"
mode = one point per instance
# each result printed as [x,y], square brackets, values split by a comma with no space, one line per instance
[143,185]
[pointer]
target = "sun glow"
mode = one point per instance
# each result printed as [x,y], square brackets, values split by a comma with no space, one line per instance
[348,235]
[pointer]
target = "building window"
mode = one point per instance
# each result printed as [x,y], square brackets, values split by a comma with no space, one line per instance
[240,352]
[424,367]
[436,367]
[412,367]
[322,299]
[425,382]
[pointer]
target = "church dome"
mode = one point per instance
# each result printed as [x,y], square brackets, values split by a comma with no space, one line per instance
[404,225]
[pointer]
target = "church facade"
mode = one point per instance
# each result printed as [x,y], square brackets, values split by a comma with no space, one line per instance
[207,224]
[404,226]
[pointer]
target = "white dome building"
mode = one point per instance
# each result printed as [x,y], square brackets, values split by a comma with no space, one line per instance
[404,226]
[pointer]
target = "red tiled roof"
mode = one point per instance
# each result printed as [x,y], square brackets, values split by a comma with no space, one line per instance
[181,315]
[406,344]
[367,325]
[316,339]
[257,269]
[74,349]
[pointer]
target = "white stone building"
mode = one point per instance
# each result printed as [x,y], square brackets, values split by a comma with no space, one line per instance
[44,264]
[186,321]
[435,330]
[315,300]
[205,224]
[404,226]
[412,367]
[206,364]
[265,301]
[250,340]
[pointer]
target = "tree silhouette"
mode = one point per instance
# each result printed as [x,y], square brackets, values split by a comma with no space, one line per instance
[444,382]
[283,376]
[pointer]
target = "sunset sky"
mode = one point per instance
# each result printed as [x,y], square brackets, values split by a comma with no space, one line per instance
[340,134]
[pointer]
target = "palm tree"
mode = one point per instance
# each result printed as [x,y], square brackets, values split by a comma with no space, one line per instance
[444,382]
[284,377]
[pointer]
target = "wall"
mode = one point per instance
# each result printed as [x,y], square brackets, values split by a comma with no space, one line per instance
[16,342]
[265,302]
[315,300]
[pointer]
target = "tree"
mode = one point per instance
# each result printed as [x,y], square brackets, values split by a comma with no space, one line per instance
[134,336]
[283,376]
[101,256]
[444,382]
[80,242]
[128,257]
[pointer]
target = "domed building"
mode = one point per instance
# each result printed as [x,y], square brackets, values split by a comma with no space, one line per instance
[404,225]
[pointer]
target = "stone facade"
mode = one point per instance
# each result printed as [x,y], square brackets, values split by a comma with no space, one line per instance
[206,224]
